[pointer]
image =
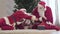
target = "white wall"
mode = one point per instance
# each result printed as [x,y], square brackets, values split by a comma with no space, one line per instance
[59,9]
[3,8]
[6,7]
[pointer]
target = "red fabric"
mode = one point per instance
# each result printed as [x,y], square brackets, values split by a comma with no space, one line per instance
[42,3]
[2,22]
[11,20]
[42,23]
[7,28]
[4,26]
[18,15]
[48,26]
[48,14]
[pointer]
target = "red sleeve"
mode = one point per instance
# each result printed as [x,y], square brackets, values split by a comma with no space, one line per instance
[19,15]
[26,16]
[49,14]
[35,12]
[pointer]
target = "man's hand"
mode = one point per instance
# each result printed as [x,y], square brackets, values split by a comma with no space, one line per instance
[44,17]
[36,19]
[41,18]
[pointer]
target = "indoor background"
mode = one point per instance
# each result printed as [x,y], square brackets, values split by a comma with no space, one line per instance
[7,7]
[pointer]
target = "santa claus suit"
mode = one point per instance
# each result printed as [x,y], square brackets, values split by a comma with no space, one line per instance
[45,16]
[24,22]
[7,23]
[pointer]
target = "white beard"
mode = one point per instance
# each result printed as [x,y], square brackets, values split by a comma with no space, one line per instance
[41,13]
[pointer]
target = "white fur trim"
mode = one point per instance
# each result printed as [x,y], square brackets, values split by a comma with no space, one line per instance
[28,21]
[14,25]
[49,23]
[40,5]
[19,23]
[7,21]
[24,11]
[29,14]
[40,18]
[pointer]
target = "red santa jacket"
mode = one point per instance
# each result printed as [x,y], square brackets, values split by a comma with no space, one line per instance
[48,13]
[15,17]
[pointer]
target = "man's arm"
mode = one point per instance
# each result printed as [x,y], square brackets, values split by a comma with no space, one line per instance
[49,15]
[19,15]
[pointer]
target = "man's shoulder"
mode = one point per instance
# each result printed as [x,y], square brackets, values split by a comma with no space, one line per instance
[48,7]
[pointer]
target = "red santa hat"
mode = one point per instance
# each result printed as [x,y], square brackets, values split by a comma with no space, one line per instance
[42,3]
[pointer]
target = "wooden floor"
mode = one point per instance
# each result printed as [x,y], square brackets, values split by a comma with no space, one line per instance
[29,32]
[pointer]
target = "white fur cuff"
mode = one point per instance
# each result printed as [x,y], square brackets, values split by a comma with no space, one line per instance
[7,21]
[19,23]
[40,19]
[49,23]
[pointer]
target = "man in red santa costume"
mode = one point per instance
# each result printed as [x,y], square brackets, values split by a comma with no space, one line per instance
[23,23]
[44,14]
[7,23]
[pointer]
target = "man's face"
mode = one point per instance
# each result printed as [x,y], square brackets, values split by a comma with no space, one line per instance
[40,7]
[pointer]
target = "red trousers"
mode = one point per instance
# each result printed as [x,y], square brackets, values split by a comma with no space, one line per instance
[47,27]
[4,26]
